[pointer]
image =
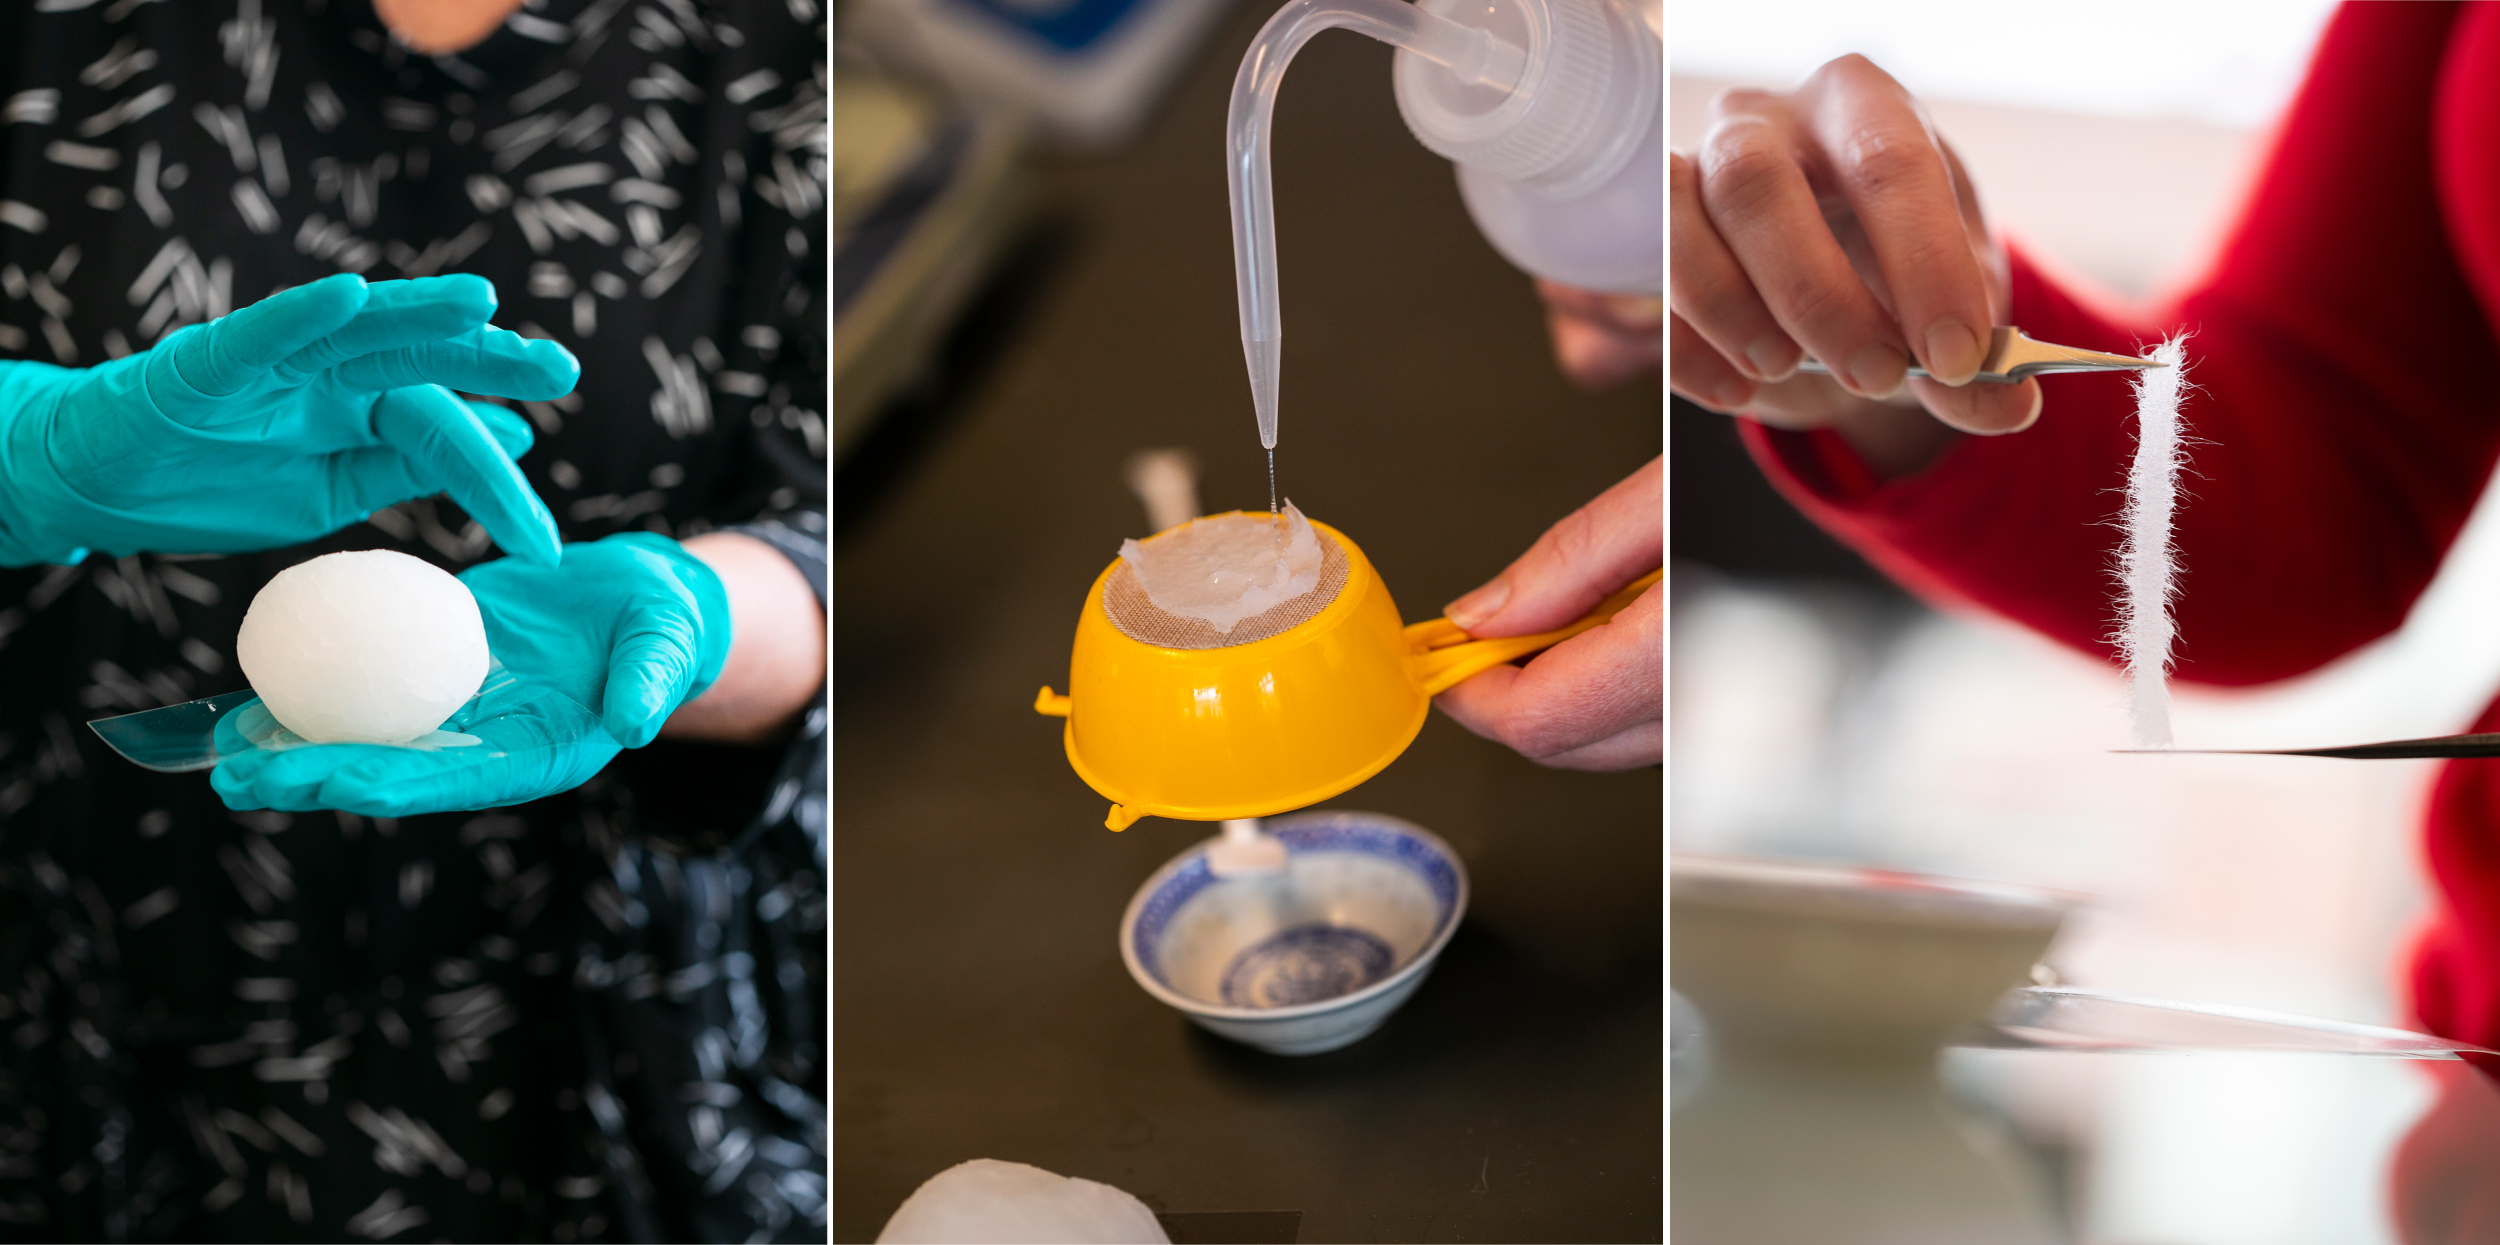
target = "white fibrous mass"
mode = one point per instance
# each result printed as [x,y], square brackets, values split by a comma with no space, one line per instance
[365,647]
[1223,569]
[2148,564]
[990,1200]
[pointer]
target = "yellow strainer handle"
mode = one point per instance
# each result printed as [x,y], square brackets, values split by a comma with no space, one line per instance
[1445,656]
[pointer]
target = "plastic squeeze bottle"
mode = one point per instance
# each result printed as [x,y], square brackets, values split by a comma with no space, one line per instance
[1549,108]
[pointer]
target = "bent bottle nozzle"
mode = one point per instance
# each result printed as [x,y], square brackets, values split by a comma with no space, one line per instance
[1473,54]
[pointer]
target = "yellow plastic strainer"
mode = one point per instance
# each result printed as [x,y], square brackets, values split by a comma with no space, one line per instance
[1168,718]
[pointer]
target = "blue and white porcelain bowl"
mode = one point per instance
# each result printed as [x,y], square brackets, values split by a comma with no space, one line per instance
[1309,959]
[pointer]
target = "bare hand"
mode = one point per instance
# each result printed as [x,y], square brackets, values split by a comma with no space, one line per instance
[1832,221]
[1602,340]
[443,27]
[777,659]
[1596,700]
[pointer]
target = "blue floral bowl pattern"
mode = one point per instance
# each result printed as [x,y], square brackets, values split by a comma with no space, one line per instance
[1307,960]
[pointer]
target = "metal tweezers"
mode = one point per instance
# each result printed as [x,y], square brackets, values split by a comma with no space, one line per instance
[2013,357]
[2393,750]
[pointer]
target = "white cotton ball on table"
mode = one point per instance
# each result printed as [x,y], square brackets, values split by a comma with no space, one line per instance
[986,1201]
[368,647]
[1228,567]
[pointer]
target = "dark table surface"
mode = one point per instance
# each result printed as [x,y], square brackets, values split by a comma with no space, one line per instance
[980,1005]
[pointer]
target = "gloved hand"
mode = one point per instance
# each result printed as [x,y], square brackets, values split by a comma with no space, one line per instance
[282,422]
[631,626]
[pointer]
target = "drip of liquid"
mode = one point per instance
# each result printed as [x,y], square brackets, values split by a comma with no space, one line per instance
[1274,515]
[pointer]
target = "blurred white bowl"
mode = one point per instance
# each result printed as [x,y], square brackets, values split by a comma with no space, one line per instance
[1827,993]
[1309,959]
[1828,960]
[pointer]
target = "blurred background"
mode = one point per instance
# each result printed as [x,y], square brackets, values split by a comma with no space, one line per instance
[1034,282]
[1818,712]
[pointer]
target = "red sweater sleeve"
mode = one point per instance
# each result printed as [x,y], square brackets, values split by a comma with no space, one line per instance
[2343,420]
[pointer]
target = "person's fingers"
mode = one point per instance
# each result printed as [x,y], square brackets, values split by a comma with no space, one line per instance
[1633,319]
[1595,550]
[1602,340]
[1697,370]
[228,353]
[1594,701]
[1989,410]
[1806,400]
[1986,253]
[399,314]
[1710,293]
[484,360]
[289,781]
[232,780]
[654,662]
[526,751]
[510,431]
[450,449]
[526,754]
[1590,553]
[1644,744]
[1599,355]
[1755,190]
[1803,400]
[1888,166]
[405,782]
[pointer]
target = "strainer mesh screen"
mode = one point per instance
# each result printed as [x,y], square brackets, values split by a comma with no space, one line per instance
[1142,620]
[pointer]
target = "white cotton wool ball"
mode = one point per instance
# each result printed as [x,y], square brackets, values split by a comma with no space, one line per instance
[987,1201]
[367,647]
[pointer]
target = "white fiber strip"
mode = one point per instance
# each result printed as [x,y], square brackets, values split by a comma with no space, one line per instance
[2148,565]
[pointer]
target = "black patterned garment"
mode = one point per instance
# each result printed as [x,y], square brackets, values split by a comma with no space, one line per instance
[596,1017]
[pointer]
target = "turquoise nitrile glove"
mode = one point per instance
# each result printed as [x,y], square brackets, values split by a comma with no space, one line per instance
[280,423]
[630,627]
